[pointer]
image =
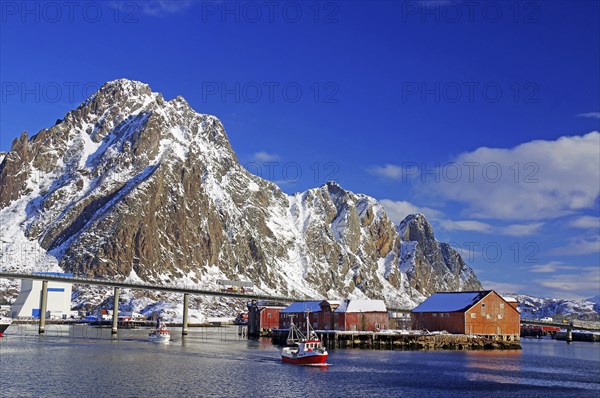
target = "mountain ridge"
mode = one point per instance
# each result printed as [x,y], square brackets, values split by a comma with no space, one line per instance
[132,185]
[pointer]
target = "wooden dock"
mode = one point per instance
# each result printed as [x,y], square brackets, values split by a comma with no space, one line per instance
[403,341]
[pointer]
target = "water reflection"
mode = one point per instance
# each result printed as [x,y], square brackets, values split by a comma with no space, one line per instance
[217,362]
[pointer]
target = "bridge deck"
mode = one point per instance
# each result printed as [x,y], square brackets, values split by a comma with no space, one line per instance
[146,286]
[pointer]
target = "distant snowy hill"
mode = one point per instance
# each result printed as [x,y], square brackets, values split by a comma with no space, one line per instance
[535,308]
[133,186]
[595,299]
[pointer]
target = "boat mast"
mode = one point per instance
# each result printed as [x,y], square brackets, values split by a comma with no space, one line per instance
[307,325]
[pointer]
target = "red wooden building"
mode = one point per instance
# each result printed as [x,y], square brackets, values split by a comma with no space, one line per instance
[263,316]
[482,313]
[357,315]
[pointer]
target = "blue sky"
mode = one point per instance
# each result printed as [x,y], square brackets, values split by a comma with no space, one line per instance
[454,109]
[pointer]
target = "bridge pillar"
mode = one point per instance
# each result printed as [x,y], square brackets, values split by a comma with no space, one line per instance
[43,307]
[186,302]
[570,333]
[115,317]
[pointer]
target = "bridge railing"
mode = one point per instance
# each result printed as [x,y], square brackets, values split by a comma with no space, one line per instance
[145,286]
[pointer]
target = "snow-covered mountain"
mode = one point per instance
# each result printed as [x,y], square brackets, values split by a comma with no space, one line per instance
[130,185]
[535,308]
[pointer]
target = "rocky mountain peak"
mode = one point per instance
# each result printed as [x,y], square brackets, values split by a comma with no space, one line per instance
[416,227]
[432,266]
[129,185]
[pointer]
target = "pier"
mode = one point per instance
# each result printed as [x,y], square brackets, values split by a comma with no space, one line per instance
[404,340]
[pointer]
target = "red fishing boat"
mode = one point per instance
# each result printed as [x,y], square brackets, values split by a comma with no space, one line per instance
[305,349]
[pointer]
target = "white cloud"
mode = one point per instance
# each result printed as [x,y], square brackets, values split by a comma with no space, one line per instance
[551,267]
[582,283]
[162,7]
[521,229]
[390,171]
[264,156]
[504,287]
[398,210]
[532,181]
[478,226]
[466,225]
[578,246]
[585,222]
[594,115]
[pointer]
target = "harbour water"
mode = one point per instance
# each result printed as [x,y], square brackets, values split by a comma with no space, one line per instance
[216,362]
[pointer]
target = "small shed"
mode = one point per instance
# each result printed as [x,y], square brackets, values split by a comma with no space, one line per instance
[263,316]
[482,313]
[361,315]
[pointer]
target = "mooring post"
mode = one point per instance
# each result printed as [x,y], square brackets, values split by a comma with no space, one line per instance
[115,317]
[570,333]
[43,306]
[184,329]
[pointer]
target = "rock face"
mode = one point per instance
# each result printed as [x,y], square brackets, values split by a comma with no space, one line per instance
[432,266]
[130,185]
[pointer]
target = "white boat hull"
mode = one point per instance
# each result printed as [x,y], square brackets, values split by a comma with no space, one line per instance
[159,339]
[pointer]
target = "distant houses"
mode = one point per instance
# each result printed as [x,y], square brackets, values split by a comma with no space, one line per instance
[344,315]
[482,313]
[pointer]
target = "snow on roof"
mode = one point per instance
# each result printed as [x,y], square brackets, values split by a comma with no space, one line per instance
[362,306]
[302,306]
[343,306]
[450,302]
[510,299]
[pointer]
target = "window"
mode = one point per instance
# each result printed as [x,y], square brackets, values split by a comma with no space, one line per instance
[500,316]
[268,315]
[434,315]
[473,315]
[377,326]
[446,315]
[489,316]
[335,326]
[501,305]
[315,325]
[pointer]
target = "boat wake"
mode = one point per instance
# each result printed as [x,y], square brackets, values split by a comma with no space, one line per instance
[318,365]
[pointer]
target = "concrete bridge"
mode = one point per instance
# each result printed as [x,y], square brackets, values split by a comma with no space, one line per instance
[567,326]
[116,285]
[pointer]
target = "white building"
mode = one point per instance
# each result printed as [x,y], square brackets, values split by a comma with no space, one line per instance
[29,301]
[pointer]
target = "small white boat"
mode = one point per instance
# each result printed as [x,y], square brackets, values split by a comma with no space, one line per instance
[160,334]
